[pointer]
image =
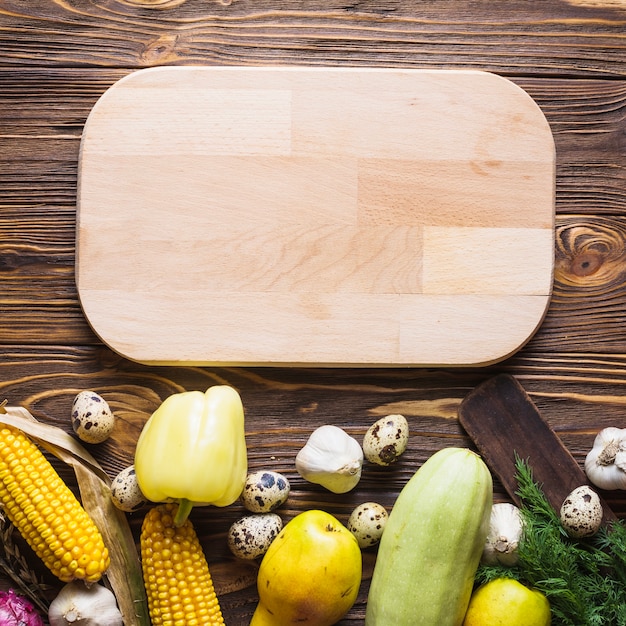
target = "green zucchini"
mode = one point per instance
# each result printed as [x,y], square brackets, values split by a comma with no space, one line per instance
[432,543]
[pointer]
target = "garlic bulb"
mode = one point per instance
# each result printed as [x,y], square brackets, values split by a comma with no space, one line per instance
[605,464]
[505,532]
[77,603]
[331,458]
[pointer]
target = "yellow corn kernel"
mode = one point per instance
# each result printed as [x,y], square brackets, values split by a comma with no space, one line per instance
[176,574]
[44,510]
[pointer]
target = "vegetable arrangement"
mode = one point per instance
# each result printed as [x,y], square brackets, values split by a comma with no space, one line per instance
[73,539]
[190,452]
[442,550]
[583,579]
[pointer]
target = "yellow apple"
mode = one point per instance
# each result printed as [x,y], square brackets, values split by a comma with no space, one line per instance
[507,602]
[310,574]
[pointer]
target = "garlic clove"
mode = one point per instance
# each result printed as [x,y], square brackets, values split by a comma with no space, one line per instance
[331,458]
[620,460]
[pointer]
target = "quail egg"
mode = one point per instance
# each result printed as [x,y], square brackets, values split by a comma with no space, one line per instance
[581,512]
[367,522]
[386,439]
[264,491]
[250,536]
[92,419]
[125,491]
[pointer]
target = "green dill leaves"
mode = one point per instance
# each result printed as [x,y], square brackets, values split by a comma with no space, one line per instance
[584,579]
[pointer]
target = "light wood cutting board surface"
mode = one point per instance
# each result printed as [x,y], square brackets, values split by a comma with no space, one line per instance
[315,216]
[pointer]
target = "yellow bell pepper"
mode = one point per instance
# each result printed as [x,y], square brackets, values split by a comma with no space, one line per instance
[192,450]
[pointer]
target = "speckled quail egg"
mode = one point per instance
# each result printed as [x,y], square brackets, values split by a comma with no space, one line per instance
[386,439]
[264,491]
[367,523]
[250,536]
[125,491]
[581,512]
[92,419]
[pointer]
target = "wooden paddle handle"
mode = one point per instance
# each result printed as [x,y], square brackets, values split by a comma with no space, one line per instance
[503,422]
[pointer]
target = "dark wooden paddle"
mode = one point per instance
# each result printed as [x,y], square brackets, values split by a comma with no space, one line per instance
[503,422]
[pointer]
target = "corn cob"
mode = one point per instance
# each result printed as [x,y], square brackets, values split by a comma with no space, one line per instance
[46,512]
[176,574]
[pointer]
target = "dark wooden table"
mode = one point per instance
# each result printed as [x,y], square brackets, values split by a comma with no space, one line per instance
[57,58]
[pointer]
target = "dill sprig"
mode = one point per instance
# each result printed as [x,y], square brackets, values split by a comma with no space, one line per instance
[583,579]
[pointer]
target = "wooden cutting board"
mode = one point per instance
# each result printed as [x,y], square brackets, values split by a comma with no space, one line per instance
[343,216]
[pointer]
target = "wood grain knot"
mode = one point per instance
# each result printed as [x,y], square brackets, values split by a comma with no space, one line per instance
[593,253]
[23,257]
[153,4]
[586,263]
[161,51]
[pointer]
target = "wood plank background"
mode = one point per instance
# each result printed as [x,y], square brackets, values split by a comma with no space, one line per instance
[58,57]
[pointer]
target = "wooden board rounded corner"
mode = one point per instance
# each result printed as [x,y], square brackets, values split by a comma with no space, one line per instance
[315,216]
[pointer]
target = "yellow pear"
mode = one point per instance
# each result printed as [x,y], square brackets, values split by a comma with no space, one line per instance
[311,574]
